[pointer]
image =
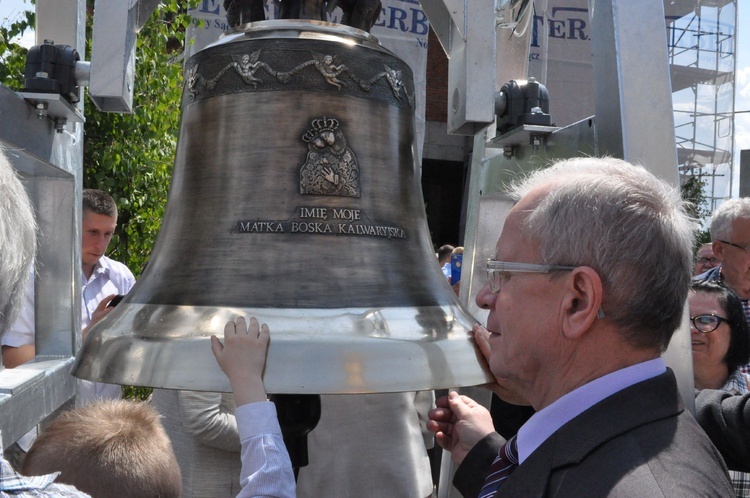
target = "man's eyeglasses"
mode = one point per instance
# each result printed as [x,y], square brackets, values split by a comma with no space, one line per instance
[707,323]
[498,270]
[744,248]
[702,260]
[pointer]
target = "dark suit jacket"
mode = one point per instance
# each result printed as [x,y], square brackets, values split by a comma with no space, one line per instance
[726,419]
[638,442]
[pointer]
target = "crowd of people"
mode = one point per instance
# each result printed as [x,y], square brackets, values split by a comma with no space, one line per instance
[580,312]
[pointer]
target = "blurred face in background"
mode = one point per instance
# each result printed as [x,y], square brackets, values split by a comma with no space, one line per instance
[705,259]
[734,255]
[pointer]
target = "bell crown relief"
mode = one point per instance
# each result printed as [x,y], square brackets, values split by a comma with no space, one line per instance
[320,125]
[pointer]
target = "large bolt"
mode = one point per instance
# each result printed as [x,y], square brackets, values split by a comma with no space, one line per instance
[60,124]
[536,141]
[41,110]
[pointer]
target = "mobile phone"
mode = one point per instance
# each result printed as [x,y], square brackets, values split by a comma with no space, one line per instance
[456,262]
[115,300]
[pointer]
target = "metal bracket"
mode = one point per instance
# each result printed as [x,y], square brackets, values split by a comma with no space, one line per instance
[521,136]
[55,107]
[116,25]
[468,37]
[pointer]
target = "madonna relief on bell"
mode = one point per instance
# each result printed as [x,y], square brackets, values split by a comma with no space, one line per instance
[330,167]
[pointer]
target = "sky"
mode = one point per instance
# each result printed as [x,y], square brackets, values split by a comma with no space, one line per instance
[742,88]
[11,10]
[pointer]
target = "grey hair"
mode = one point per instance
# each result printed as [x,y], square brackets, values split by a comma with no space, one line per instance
[626,224]
[721,221]
[17,242]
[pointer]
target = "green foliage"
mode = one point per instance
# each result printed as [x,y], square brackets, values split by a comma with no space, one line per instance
[691,190]
[138,393]
[13,55]
[130,156]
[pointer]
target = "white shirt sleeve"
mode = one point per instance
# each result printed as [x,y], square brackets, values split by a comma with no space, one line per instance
[22,331]
[266,467]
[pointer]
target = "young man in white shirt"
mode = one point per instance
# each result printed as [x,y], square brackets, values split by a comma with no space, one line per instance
[102,278]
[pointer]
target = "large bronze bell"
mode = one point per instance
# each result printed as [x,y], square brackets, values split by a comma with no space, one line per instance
[295,198]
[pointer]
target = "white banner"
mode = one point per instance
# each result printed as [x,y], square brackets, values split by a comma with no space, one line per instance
[560,58]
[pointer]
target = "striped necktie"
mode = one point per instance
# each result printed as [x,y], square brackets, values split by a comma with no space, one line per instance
[505,463]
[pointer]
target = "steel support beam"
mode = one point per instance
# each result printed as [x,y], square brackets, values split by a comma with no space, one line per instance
[632,86]
[468,37]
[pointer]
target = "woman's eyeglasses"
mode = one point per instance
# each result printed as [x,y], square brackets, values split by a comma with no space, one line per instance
[707,323]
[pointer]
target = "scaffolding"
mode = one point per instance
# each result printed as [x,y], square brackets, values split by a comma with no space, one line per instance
[702,54]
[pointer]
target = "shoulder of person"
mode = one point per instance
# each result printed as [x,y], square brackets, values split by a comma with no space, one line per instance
[708,275]
[117,269]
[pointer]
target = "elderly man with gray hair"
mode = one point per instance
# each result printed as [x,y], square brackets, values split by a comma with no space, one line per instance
[580,312]
[730,239]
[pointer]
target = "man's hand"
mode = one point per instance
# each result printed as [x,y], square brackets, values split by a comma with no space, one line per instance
[99,313]
[481,339]
[242,357]
[459,423]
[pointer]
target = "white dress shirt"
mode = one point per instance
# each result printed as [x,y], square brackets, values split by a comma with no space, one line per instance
[266,467]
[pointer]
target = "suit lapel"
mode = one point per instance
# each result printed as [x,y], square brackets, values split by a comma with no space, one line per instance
[640,404]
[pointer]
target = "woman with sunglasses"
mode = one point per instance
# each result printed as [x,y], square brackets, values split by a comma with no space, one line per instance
[721,344]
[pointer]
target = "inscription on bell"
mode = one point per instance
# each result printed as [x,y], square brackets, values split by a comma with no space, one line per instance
[335,213]
[259,226]
[346,214]
[310,227]
[323,220]
[321,213]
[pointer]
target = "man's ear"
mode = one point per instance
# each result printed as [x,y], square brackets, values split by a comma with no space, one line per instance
[582,301]
[718,249]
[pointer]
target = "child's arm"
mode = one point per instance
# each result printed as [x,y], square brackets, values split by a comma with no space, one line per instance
[242,357]
[266,468]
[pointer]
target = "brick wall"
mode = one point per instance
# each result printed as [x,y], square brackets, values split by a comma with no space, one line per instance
[436,99]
